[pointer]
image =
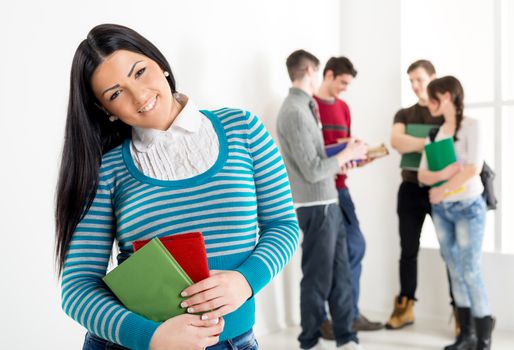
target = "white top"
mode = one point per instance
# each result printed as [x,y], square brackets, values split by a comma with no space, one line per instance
[189,147]
[314,204]
[470,151]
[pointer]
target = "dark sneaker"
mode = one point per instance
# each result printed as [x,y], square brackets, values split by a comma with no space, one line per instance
[363,324]
[327,332]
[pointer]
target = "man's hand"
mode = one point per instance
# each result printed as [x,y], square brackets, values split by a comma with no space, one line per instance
[346,167]
[355,150]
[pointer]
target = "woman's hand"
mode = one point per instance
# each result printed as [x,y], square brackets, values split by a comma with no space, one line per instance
[450,171]
[436,194]
[186,332]
[218,295]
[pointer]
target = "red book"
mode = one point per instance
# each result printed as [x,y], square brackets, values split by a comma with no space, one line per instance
[189,251]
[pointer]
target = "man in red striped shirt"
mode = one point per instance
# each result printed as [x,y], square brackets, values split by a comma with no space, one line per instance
[336,120]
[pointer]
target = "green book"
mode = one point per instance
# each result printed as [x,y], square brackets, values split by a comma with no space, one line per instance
[410,161]
[440,154]
[149,282]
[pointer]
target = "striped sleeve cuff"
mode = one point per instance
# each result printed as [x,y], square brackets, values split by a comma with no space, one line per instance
[136,332]
[256,272]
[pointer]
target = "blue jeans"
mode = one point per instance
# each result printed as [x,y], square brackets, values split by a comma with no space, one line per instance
[245,341]
[92,342]
[355,243]
[460,229]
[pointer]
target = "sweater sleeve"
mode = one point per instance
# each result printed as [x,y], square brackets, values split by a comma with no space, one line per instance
[278,226]
[85,297]
[303,152]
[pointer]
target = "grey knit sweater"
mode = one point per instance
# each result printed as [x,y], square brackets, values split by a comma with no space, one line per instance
[311,173]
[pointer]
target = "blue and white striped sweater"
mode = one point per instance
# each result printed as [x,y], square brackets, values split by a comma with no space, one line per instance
[242,205]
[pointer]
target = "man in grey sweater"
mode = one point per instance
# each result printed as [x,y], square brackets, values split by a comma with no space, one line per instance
[325,267]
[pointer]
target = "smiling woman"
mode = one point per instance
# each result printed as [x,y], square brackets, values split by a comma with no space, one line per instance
[140,160]
[134,88]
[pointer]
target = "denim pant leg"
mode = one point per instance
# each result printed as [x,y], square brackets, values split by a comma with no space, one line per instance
[318,249]
[340,300]
[93,342]
[324,257]
[356,244]
[245,341]
[470,226]
[446,234]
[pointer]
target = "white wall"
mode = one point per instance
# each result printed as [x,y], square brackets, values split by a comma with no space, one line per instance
[371,39]
[223,53]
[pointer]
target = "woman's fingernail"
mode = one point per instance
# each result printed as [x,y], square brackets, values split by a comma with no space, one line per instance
[215,320]
[204,317]
[184,294]
[190,310]
[183,304]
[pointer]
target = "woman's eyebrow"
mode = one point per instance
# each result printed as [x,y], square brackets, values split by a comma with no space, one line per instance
[132,69]
[129,74]
[112,87]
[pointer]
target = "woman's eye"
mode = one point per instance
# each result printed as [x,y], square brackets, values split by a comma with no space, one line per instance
[139,73]
[113,96]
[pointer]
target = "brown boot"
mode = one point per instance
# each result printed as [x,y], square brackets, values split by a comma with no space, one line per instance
[403,313]
[327,332]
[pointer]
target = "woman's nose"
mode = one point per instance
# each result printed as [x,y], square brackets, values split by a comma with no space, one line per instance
[140,96]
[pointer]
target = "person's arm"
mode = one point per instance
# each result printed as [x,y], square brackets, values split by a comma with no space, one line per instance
[355,150]
[344,139]
[461,177]
[85,297]
[437,194]
[278,233]
[278,225]
[87,300]
[404,143]
[312,167]
[428,177]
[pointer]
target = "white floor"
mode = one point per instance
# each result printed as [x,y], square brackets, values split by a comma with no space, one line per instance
[424,335]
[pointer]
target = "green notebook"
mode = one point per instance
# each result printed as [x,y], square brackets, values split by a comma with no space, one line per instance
[410,161]
[149,282]
[440,154]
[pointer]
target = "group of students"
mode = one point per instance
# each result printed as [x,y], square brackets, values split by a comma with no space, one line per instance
[333,246]
[141,160]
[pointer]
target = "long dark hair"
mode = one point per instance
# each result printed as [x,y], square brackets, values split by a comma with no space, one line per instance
[454,87]
[89,133]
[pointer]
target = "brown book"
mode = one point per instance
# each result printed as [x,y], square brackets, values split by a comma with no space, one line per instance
[377,152]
